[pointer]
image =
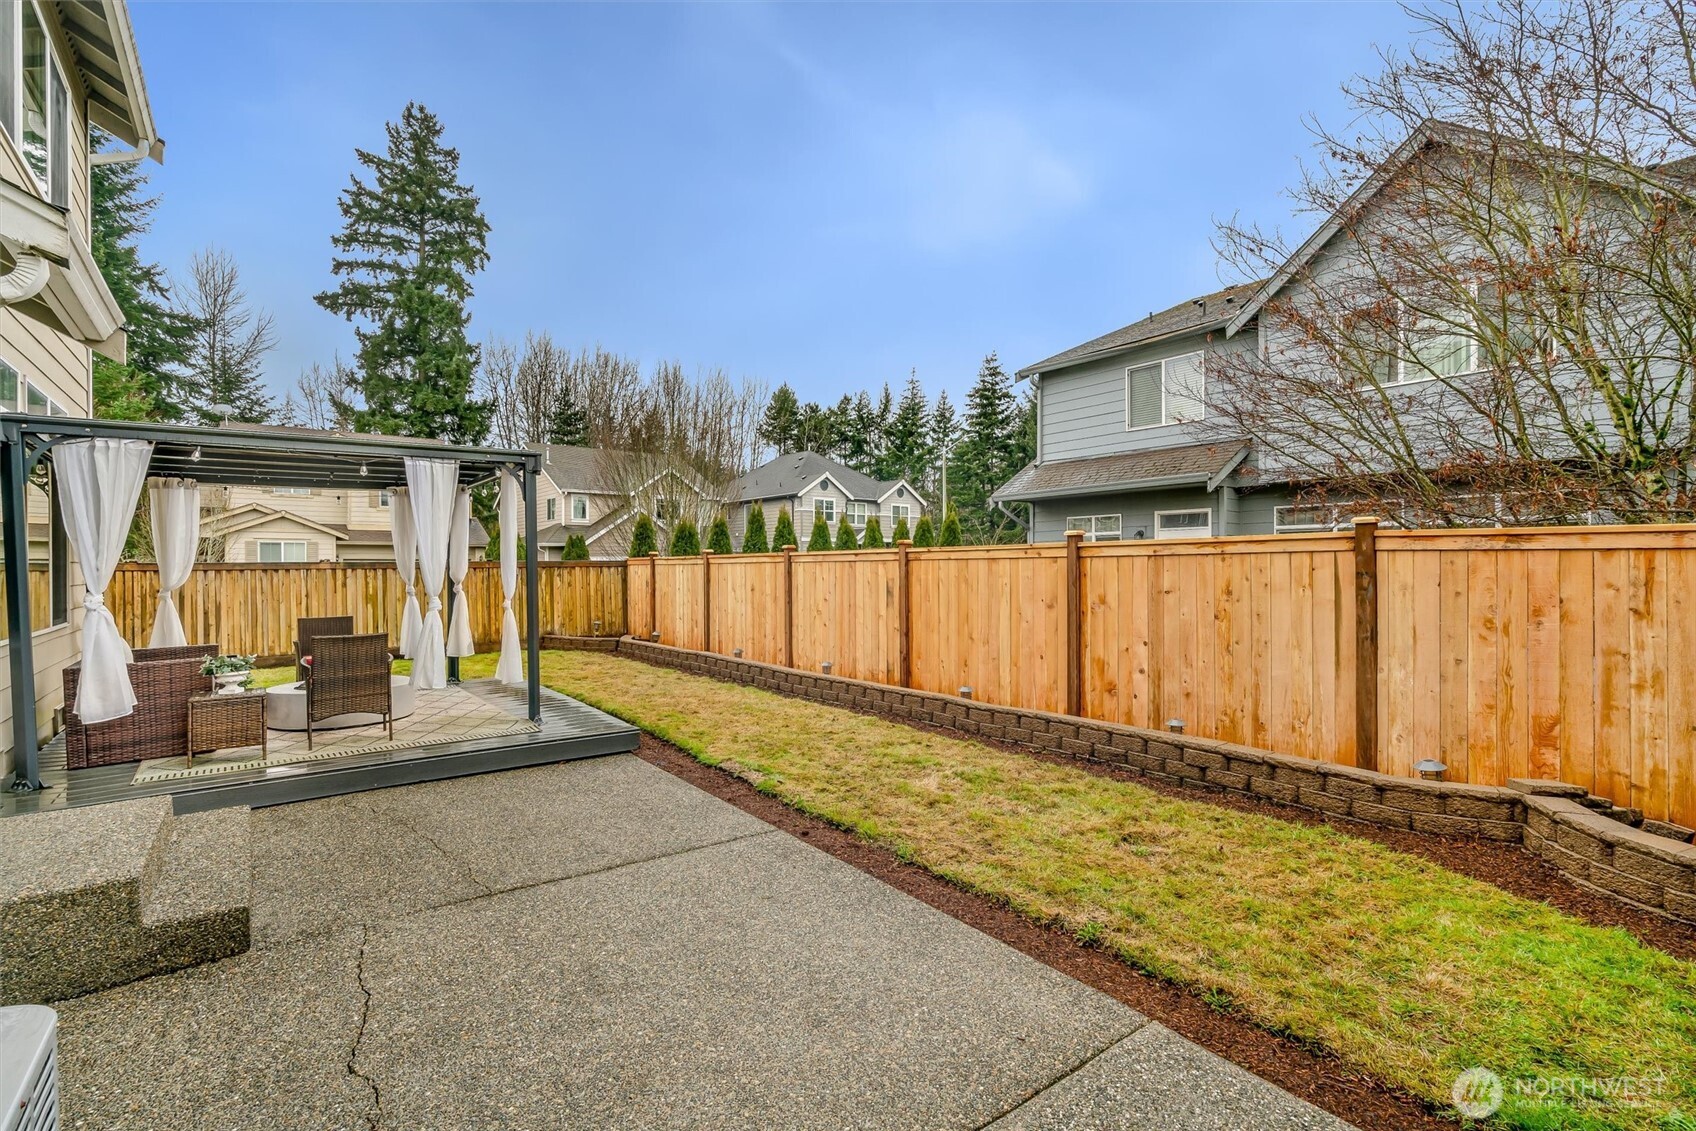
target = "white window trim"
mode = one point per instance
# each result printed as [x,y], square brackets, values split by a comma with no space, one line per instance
[384,498]
[282,545]
[15,128]
[899,511]
[1185,532]
[828,504]
[1404,347]
[860,519]
[579,502]
[1279,526]
[296,492]
[1088,523]
[1165,420]
[552,511]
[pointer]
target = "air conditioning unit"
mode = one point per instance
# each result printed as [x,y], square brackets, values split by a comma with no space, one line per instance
[29,1068]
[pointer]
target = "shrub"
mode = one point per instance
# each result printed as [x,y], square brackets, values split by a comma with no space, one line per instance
[718,536]
[925,533]
[644,539]
[900,532]
[950,528]
[754,531]
[783,534]
[872,539]
[576,548]
[845,539]
[685,539]
[820,539]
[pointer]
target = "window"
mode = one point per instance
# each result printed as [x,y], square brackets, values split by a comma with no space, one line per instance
[662,509]
[579,508]
[34,101]
[553,509]
[900,511]
[291,490]
[1298,519]
[825,508]
[856,513]
[1183,524]
[1436,347]
[273,552]
[1170,391]
[384,498]
[1098,527]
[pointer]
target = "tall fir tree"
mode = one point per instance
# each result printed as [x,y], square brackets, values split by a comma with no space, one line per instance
[718,536]
[907,437]
[820,537]
[754,531]
[412,238]
[568,423]
[944,431]
[783,531]
[644,537]
[988,453]
[780,425]
[858,434]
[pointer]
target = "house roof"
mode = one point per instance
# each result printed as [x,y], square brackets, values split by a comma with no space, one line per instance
[789,475]
[254,514]
[103,43]
[1206,312]
[1161,467]
[575,468]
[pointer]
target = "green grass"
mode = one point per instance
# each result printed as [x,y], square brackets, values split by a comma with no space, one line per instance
[273,677]
[1406,970]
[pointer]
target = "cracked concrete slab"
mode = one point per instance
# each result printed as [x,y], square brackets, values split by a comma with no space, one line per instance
[758,984]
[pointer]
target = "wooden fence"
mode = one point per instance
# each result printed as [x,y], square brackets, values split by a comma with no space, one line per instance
[252,609]
[1564,654]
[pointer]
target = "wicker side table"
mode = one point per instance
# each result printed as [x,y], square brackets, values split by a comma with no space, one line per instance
[216,722]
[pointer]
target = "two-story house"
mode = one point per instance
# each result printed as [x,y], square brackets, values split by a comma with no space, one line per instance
[64,67]
[597,493]
[282,525]
[811,485]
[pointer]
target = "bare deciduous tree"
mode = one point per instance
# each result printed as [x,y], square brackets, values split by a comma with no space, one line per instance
[317,392]
[230,342]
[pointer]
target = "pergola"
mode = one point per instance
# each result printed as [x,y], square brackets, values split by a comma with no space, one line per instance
[228,456]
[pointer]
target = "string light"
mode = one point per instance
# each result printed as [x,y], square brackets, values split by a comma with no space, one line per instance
[363,470]
[194,456]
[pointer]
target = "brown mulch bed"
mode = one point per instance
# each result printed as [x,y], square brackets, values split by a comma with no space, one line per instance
[1317,1077]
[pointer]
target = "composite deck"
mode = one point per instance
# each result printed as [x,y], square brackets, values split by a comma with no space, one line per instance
[569,730]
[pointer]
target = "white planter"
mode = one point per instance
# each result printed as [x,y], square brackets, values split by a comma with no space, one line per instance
[230,683]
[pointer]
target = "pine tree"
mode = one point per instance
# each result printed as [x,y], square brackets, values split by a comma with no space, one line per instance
[568,424]
[951,534]
[754,531]
[872,539]
[685,539]
[412,238]
[845,539]
[988,455]
[924,534]
[718,536]
[820,538]
[907,446]
[900,533]
[780,426]
[644,538]
[783,533]
[576,548]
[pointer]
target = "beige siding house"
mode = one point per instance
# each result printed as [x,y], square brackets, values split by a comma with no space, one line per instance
[597,493]
[63,67]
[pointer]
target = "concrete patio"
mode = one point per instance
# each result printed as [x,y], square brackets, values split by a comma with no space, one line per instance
[597,944]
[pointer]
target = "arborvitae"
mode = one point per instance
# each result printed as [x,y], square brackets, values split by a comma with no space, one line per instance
[950,528]
[820,539]
[924,534]
[872,539]
[718,536]
[901,532]
[685,539]
[845,539]
[644,539]
[783,534]
[754,531]
[576,548]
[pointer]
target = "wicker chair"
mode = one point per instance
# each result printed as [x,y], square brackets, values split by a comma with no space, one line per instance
[310,628]
[163,679]
[349,674]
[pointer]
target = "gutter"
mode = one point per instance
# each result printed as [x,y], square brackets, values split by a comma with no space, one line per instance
[1037,370]
[1186,480]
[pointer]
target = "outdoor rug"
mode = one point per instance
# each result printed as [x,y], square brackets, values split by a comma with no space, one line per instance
[449,714]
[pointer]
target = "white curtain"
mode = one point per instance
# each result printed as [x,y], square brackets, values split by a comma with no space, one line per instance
[459,560]
[175,507]
[99,482]
[510,670]
[406,562]
[433,485]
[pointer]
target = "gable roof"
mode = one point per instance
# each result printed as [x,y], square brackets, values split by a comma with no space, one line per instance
[1207,312]
[103,42]
[1161,467]
[254,514]
[572,467]
[789,475]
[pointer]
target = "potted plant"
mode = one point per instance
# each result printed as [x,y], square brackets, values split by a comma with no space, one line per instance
[229,672]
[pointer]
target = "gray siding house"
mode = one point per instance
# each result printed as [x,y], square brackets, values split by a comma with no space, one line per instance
[810,484]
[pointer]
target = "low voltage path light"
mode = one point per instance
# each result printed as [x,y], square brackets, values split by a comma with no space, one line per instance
[1430,769]
[1176,726]
[965,693]
[737,652]
[825,667]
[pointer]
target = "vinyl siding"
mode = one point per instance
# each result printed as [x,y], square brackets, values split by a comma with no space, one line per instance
[243,545]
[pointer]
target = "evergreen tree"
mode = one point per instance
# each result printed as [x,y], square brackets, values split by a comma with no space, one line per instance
[576,548]
[685,539]
[411,240]
[780,426]
[845,539]
[819,430]
[568,423]
[944,431]
[872,539]
[820,539]
[718,536]
[754,531]
[857,434]
[783,533]
[924,534]
[151,385]
[900,533]
[907,438]
[644,538]
[989,452]
[951,534]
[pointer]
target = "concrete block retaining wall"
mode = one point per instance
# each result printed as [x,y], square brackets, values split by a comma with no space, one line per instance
[1546,818]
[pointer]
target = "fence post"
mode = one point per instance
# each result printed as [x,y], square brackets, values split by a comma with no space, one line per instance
[1074,623]
[788,606]
[653,594]
[1366,642]
[904,609]
[706,600]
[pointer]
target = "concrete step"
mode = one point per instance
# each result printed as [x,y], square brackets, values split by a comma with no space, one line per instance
[196,908]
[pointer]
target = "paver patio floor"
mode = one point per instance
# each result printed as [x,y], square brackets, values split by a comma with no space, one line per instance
[598,944]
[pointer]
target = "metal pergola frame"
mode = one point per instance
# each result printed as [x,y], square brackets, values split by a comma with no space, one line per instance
[229,456]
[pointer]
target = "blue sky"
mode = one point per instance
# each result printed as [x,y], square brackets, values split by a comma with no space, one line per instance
[828,195]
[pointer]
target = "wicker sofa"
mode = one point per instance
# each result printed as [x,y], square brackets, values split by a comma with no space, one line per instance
[163,679]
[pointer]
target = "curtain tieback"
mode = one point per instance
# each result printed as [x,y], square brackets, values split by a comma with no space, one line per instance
[93,602]
[507,604]
[435,604]
[459,586]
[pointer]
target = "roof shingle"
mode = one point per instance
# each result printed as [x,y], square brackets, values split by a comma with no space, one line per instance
[1125,470]
[1209,310]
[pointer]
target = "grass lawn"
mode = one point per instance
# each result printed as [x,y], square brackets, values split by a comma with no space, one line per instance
[1406,970]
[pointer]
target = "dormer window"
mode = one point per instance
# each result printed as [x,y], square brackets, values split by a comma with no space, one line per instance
[34,103]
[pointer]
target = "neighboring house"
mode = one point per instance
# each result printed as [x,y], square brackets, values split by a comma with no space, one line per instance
[810,484]
[63,67]
[281,525]
[598,492]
